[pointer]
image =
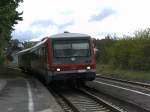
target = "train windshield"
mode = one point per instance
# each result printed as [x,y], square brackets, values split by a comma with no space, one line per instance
[71,49]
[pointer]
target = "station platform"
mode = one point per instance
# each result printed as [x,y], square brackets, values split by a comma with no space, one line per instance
[21,94]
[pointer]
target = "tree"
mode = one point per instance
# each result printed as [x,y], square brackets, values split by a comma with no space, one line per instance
[103,45]
[9,16]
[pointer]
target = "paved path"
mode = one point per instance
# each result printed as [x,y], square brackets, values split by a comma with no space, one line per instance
[26,95]
[14,97]
[2,84]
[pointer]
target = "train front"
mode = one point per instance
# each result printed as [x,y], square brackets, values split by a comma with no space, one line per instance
[72,57]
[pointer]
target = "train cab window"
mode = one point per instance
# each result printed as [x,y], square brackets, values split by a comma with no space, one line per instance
[71,49]
[80,46]
[80,49]
[62,50]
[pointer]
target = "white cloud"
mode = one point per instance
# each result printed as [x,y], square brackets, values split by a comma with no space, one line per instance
[130,15]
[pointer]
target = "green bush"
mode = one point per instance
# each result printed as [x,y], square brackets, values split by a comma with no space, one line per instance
[131,53]
[103,45]
[126,53]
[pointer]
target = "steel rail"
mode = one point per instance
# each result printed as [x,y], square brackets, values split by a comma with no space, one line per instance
[101,101]
[144,109]
[75,109]
[146,85]
[77,101]
[58,96]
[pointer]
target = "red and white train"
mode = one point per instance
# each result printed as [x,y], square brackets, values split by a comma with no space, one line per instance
[61,57]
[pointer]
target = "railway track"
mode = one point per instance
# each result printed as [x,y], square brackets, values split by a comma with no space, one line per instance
[135,86]
[132,93]
[144,85]
[80,100]
[121,102]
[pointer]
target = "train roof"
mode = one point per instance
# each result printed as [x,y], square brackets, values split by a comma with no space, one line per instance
[38,44]
[69,35]
[60,35]
[23,51]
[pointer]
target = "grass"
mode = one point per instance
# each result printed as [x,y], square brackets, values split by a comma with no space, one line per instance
[109,71]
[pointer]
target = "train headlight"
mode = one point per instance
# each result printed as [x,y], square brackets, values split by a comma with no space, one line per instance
[88,67]
[58,69]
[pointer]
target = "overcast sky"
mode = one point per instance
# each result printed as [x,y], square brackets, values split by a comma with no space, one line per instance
[94,17]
